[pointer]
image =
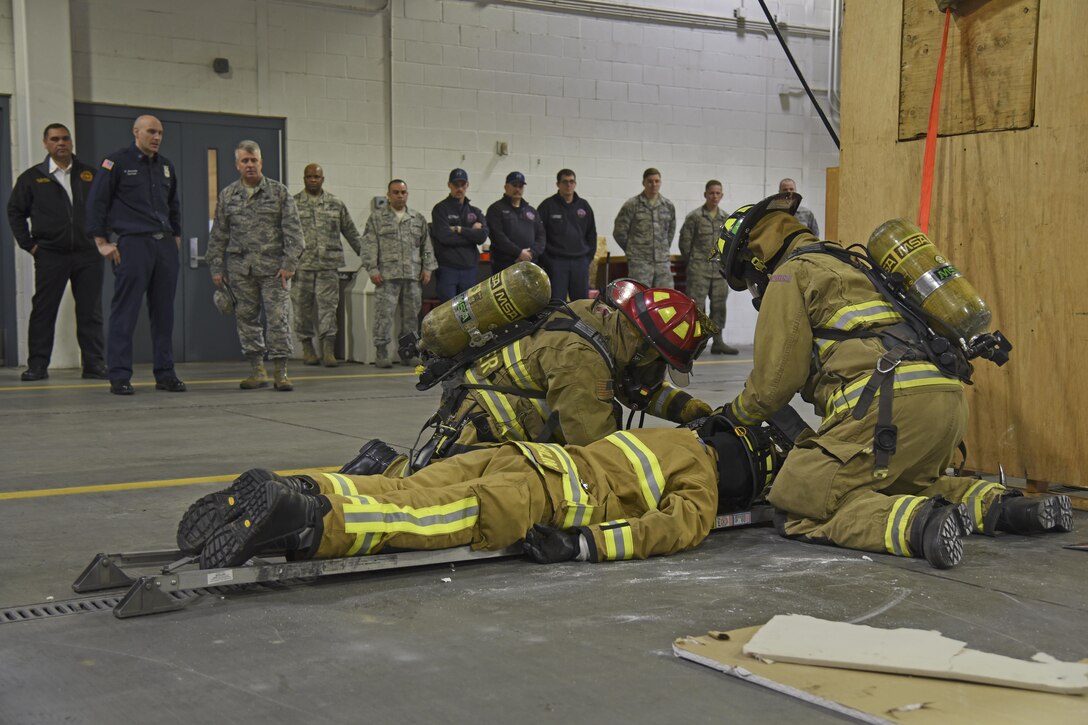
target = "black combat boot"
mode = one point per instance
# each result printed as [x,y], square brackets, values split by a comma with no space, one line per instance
[273,514]
[937,531]
[1016,513]
[212,511]
[373,458]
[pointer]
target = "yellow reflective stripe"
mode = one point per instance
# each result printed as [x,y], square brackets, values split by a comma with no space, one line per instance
[645,465]
[341,484]
[619,544]
[662,400]
[874,312]
[500,408]
[388,518]
[897,530]
[742,413]
[549,456]
[852,317]
[974,500]
[364,543]
[519,371]
[907,376]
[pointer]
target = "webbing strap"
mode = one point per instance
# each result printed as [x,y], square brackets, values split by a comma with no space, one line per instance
[931,133]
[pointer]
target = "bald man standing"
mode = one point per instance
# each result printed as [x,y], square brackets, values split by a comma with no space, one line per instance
[135,219]
[316,291]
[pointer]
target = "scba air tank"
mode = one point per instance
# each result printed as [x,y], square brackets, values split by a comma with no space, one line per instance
[951,304]
[513,294]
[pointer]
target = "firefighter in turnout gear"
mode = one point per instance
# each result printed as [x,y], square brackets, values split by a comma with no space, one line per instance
[873,476]
[565,382]
[632,495]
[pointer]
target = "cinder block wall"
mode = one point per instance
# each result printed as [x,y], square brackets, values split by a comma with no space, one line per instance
[606,97]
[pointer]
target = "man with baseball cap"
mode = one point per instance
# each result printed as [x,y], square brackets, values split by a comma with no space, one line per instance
[517,233]
[457,230]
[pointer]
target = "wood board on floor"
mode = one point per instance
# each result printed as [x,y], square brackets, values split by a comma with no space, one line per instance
[883,698]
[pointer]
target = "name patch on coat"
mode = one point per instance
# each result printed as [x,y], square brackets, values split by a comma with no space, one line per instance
[781,277]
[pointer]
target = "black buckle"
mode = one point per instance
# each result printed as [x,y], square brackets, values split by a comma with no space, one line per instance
[885,438]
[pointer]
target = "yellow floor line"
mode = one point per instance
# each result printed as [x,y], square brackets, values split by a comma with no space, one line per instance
[137,485]
[104,385]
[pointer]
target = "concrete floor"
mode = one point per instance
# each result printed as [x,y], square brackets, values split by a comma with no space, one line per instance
[503,641]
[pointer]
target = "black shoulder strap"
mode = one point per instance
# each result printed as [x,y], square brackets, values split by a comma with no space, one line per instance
[578,326]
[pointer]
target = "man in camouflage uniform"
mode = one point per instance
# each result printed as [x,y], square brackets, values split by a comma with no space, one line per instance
[399,258]
[803,214]
[698,237]
[644,230]
[315,294]
[257,224]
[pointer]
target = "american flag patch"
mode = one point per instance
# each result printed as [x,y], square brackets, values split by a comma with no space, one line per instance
[604,389]
[107,164]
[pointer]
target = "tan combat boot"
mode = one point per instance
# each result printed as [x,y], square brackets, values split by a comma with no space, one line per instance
[381,357]
[309,355]
[282,382]
[258,378]
[328,352]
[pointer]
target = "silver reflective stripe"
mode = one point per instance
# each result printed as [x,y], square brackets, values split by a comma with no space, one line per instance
[396,517]
[901,511]
[929,282]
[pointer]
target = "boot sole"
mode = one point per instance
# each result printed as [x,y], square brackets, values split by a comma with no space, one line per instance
[942,541]
[212,511]
[234,543]
[1058,513]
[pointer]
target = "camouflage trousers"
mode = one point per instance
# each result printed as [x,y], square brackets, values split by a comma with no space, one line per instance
[700,286]
[649,272]
[400,297]
[252,294]
[315,295]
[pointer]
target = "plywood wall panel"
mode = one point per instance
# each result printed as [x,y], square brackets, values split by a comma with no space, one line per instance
[1009,208]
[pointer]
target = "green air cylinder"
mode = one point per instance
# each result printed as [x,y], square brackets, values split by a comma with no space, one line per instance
[517,292]
[951,304]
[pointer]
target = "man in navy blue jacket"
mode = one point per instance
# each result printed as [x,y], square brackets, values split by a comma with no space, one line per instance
[517,234]
[46,216]
[135,197]
[457,228]
[571,234]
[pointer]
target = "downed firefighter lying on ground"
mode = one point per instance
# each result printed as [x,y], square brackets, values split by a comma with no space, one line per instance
[632,495]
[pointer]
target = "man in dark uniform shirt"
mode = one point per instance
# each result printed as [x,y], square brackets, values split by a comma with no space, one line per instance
[571,234]
[517,235]
[457,228]
[46,213]
[135,197]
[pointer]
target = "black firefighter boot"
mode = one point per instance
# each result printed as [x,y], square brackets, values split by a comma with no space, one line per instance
[372,460]
[273,514]
[1016,513]
[937,532]
[212,511]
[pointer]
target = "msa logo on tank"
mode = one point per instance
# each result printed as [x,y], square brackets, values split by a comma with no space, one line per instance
[502,298]
[462,310]
[903,250]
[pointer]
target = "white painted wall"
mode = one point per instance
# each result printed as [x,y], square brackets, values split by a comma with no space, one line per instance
[605,97]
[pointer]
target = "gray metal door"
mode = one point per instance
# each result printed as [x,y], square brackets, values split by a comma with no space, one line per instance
[201,146]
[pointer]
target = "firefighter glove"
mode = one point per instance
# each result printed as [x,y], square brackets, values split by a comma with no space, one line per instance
[548,545]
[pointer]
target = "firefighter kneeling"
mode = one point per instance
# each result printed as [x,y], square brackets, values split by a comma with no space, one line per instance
[873,477]
[565,381]
[632,495]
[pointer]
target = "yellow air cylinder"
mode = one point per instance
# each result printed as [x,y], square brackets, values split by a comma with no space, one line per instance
[517,292]
[951,304]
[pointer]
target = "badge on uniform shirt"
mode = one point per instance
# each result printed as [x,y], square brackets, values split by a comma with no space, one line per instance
[166,171]
[86,175]
[530,216]
[471,217]
[107,164]
[581,212]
